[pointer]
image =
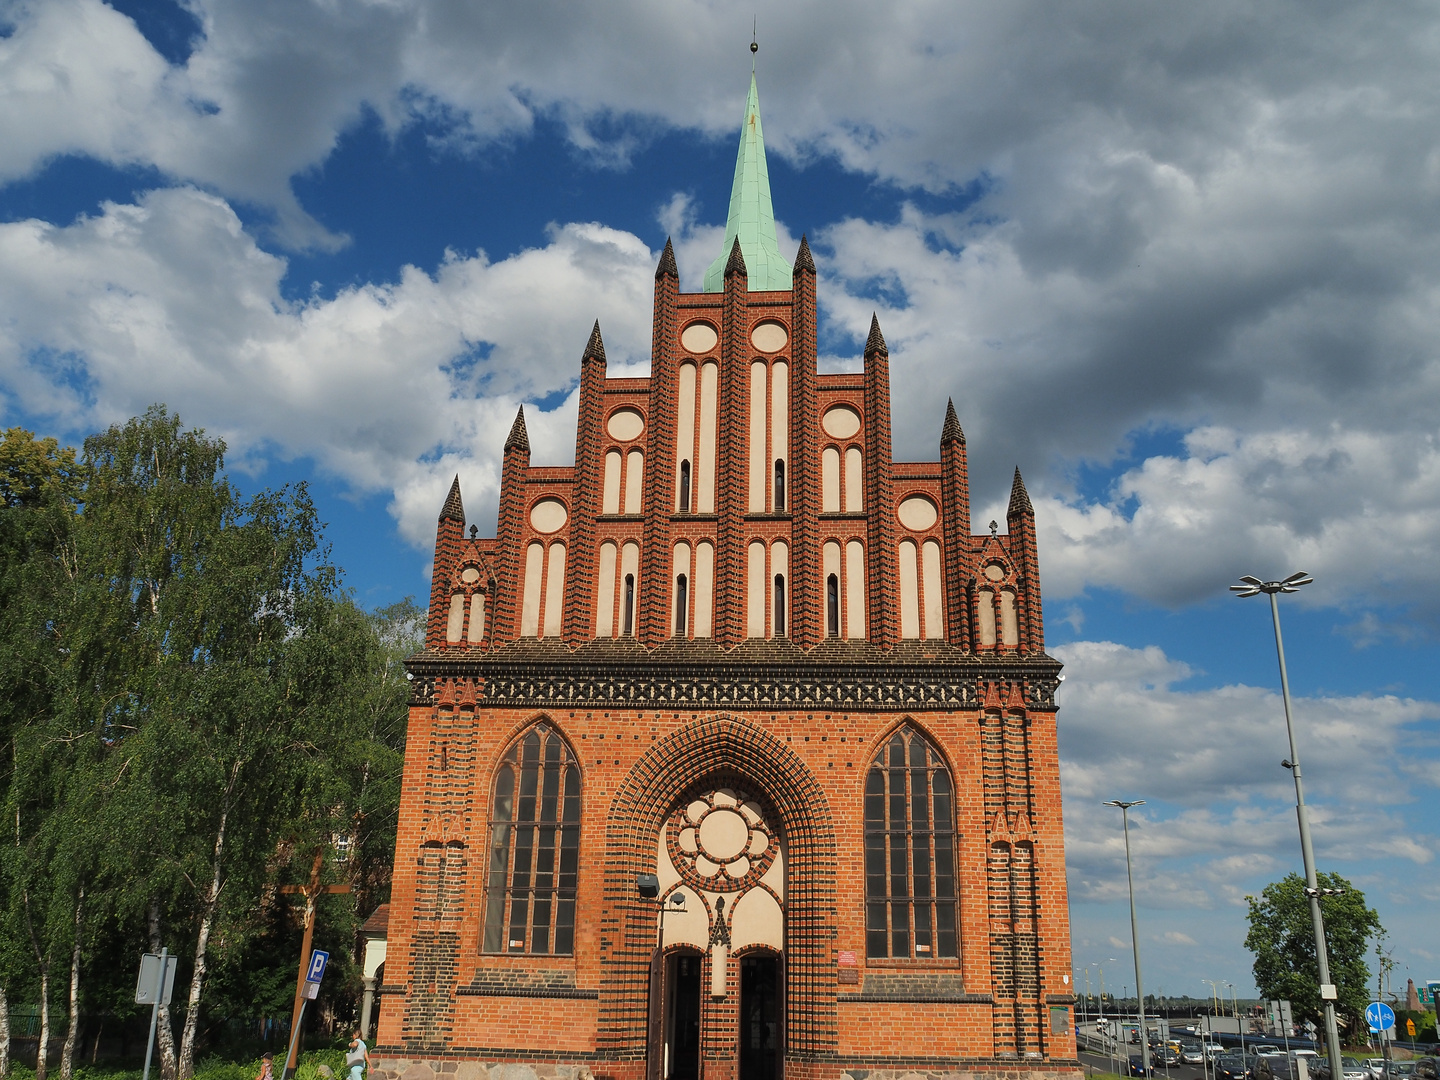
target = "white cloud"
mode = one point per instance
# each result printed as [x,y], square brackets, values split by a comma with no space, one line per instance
[1218,804]
[389,386]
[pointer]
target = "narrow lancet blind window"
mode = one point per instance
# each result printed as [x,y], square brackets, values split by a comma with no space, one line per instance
[909,852]
[534,848]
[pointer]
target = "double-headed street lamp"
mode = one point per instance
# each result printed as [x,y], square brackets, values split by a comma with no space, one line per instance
[1134,933]
[1253,586]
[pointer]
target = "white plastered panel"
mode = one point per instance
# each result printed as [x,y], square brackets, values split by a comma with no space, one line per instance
[634,481]
[830,481]
[933,580]
[909,590]
[758,456]
[854,480]
[610,500]
[705,482]
[555,591]
[755,591]
[854,589]
[704,588]
[530,602]
[605,592]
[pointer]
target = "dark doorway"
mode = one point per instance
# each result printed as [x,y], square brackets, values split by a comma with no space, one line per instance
[760,1017]
[682,1018]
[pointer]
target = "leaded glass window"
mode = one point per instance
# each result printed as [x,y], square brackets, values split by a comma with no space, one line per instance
[909,852]
[534,847]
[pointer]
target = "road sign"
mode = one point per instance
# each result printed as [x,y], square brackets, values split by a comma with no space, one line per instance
[1409,1027]
[319,958]
[149,978]
[1379,1016]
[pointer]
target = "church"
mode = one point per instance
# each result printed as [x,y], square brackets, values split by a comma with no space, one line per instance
[732,755]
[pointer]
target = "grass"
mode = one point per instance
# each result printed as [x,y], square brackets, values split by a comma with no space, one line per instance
[211,1068]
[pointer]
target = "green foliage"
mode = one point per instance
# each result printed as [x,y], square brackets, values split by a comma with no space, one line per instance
[1282,938]
[191,710]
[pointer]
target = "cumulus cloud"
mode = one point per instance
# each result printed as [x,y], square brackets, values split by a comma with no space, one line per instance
[1207,764]
[392,385]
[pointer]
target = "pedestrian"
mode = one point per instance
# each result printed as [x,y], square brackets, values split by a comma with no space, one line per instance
[357,1058]
[267,1066]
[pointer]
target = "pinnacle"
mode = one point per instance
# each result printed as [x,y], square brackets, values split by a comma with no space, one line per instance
[667,263]
[1019,497]
[595,346]
[803,259]
[519,439]
[453,509]
[736,265]
[951,432]
[875,343]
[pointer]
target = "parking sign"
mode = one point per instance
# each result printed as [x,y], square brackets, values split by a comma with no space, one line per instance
[318,959]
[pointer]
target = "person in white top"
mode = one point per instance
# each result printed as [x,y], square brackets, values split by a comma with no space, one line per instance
[356,1058]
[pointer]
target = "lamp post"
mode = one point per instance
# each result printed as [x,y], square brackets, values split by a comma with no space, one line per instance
[1134,932]
[1253,586]
[1239,1021]
[1105,1039]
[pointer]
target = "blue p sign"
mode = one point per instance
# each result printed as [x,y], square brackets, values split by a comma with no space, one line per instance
[318,959]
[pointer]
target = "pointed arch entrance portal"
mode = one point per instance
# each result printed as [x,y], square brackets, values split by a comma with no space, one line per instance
[721,856]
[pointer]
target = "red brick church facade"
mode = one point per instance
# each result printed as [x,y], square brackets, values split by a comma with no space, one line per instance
[737,647]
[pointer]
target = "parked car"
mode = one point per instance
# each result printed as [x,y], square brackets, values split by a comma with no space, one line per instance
[1274,1067]
[1354,1069]
[1232,1067]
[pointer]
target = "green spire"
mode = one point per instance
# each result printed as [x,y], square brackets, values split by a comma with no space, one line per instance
[752,218]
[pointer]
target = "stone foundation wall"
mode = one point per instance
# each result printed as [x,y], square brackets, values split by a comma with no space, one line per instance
[384,1068]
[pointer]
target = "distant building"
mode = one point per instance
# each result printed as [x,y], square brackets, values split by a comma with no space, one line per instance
[738,648]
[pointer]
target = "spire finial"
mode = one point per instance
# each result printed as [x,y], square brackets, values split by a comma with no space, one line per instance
[951,431]
[454,509]
[1019,497]
[519,438]
[803,259]
[667,262]
[595,347]
[736,262]
[754,42]
[875,343]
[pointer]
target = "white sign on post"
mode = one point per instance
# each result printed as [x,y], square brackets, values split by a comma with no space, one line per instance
[150,977]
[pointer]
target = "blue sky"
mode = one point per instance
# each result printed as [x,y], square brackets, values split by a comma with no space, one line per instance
[1178,265]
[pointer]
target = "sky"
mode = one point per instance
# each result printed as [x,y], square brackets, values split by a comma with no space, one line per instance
[1179,263]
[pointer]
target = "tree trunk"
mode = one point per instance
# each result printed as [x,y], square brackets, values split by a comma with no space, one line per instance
[67,1056]
[211,905]
[43,1050]
[42,960]
[4,1034]
[164,1030]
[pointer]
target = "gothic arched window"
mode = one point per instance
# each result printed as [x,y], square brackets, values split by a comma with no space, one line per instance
[909,852]
[534,847]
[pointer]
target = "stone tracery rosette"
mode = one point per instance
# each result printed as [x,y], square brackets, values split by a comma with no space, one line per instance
[720,842]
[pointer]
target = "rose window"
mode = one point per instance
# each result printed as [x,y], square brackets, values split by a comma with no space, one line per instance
[720,842]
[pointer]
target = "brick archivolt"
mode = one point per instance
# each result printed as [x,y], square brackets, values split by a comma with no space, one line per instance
[720,748]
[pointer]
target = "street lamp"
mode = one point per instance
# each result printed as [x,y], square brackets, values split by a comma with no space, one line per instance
[1253,586]
[1105,1039]
[1134,933]
[1239,1021]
